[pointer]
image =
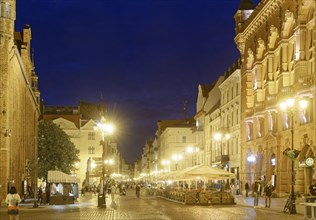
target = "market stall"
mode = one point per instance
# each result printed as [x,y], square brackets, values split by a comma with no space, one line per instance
[62,188]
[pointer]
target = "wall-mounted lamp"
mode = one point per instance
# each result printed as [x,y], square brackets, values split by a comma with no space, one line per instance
[251,158]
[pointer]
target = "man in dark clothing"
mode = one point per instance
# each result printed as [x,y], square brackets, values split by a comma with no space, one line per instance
[312,188]
[40,195]
[247,188]
[256,192]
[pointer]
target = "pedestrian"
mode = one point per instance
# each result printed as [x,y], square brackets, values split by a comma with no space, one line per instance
[256,192]
[137,188]
[263,184]
[82,191]
[95,190]
[12,200]
[232,188]
[312,188]
[247,188]
[268,189]
[40,195]
[113,190]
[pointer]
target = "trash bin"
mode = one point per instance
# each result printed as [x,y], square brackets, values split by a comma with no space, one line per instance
[100,200]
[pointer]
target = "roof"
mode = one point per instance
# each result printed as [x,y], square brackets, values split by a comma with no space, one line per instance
[55,176]
[187,123]
[246,5]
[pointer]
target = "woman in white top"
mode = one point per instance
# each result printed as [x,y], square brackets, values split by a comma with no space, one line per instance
[12,200]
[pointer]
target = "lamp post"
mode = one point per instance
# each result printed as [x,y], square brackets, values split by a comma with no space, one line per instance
[219,137]
[192,150]
[176,158]
[166,163]
[288,106]
[105,129]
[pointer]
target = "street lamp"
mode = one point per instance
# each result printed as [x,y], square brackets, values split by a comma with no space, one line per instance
[105,129]
[288,106]
[219,137]
[176,158]
[192,150]
[166,163]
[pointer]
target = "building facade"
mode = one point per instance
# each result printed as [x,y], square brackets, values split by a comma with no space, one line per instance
[19,108]
[229,112]
[175,136]
[276,41]
[79,122]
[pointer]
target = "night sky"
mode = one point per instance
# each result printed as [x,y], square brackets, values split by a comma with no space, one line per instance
[144,57]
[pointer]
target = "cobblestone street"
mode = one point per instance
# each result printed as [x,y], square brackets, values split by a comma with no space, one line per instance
[130,207]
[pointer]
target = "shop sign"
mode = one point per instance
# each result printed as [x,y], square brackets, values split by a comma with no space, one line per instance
[309,161]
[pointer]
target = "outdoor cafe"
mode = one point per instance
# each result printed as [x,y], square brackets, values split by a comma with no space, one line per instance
[198,185]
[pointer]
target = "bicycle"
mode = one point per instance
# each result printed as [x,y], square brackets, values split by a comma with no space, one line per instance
[290,206]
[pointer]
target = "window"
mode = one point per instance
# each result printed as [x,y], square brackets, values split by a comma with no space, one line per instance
[7,10]
[184,139]
[260,127]
[249,130]
[91,150]
[272,121]
[91,136]
[286,121]
[305,115]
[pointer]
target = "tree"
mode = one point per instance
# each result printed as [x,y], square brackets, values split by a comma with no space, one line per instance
[55,150]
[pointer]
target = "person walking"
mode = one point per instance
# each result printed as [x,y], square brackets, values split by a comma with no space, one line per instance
[232,188]
[247,188]
[12,200]
[40,195]
[256,193]
[268,189]
[113,190]
[137,188]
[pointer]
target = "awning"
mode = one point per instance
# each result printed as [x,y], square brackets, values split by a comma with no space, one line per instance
[203,171]
[55,176]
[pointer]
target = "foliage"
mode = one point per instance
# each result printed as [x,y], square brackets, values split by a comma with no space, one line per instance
[291,154]
[55,150]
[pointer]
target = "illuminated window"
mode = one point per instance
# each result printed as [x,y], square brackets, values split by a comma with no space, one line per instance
[305,116]
[249,131]
[260,127]
[286,121]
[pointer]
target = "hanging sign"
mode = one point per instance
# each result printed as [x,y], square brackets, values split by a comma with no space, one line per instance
[309,161]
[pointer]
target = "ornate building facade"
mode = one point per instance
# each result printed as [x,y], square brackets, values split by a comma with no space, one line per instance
[19,106]
[276,41]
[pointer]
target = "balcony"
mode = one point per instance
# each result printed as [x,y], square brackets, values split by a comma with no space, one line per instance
[197,129]
[223,159]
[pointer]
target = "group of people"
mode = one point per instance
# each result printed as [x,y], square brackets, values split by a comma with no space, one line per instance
[259,187]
